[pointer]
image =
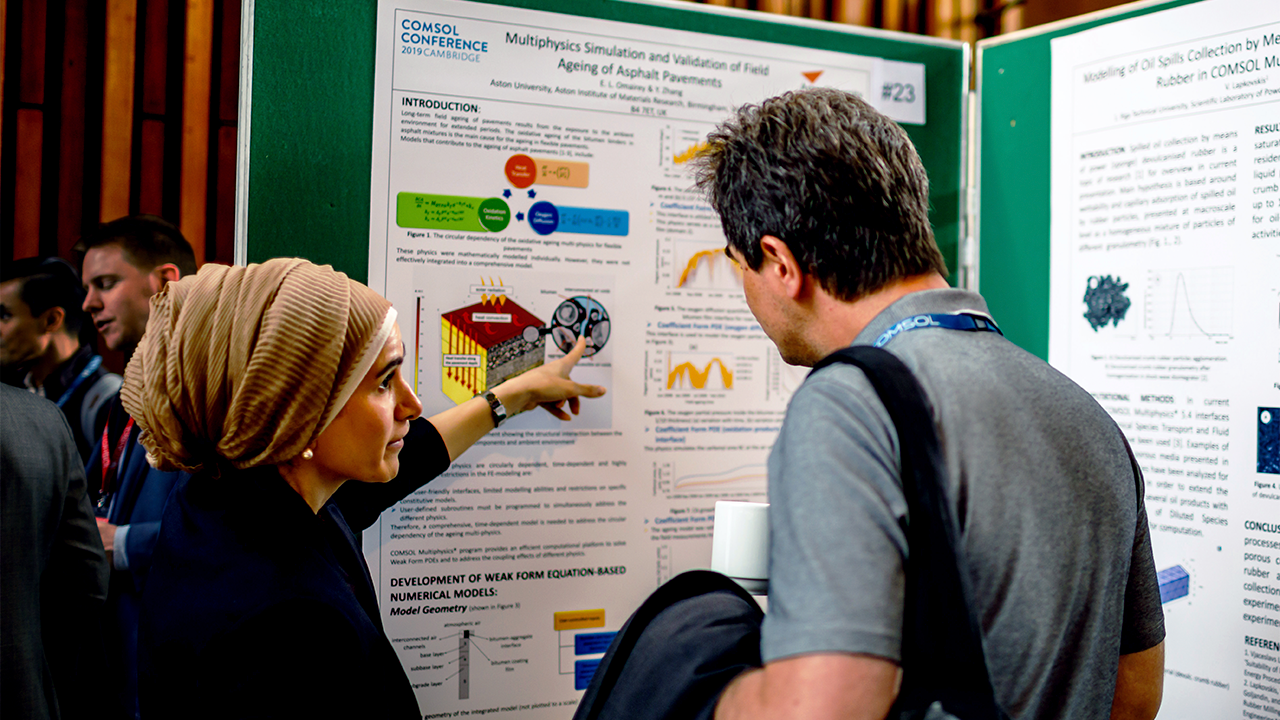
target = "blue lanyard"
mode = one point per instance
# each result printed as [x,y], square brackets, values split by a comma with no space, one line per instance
[968,321]
[94,363]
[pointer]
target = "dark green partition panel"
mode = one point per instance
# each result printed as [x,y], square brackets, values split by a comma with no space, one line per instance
[311,109]
[1013,173]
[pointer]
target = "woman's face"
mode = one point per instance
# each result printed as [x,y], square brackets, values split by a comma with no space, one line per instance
[363,442]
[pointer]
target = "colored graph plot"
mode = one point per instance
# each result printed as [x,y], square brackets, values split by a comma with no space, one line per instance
[688,153]
[740,481]
[693,375]
[1190,302]
[678,145]
[753,473]
[707,268]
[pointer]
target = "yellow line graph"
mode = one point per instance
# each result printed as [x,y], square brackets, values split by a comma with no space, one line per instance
[697,378]
[689,153]
[709,256]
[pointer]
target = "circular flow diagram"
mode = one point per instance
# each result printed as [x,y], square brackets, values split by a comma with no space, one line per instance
[575,317]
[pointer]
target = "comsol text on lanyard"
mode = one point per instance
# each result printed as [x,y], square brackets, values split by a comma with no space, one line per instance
[967,321]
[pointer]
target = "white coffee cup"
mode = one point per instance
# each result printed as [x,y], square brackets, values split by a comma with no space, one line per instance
[740,544]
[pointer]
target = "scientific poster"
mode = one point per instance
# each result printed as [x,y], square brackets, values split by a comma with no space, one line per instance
[531,185]
[1165,303]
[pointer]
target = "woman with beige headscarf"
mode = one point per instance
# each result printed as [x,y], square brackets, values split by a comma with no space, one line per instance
[275,385]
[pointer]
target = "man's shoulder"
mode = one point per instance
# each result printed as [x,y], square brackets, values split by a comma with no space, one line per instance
[26,415]
[836,389]
[836,413]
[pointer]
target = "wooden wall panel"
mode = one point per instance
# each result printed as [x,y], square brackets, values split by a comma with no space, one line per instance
[968,12]
[944,19]
[197,87]
[151,179]
[155,56]
[225,194]
[229,62]
[117,108]
[34,16]
[72,128]
[26,183]
[111,107]
[1013,19]
[4,59]
[853,12]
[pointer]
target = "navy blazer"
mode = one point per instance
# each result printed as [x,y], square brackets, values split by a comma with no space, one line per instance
[258,607]
[138,500]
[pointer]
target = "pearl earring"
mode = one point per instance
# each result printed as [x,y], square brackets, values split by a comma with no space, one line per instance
[308,454]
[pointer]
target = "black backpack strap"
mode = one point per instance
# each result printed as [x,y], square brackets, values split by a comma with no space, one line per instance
[95,399]
[942,656]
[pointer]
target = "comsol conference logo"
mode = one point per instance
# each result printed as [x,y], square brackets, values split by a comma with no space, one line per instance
[429,37]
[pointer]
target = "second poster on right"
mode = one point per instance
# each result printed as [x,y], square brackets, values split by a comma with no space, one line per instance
[1165,304]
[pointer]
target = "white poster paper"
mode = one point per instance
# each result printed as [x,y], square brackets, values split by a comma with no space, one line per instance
[530,185]
[1165,303]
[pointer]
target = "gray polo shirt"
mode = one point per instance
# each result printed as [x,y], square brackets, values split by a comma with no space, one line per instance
[1051,516]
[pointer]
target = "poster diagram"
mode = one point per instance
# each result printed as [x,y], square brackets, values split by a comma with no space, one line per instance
[471,336]
[745,481]
[1106,300]
[531,186]
[688,373]
[700,371]
[1190,303]
[576,317]
[704,266]
[678,145]
[427,211]
[485,344]
[1174,583]
[1269,440]
[1162,167]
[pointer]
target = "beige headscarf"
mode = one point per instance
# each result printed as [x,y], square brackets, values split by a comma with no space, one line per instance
[248,365]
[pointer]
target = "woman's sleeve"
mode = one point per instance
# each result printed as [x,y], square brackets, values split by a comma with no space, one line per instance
[423,458]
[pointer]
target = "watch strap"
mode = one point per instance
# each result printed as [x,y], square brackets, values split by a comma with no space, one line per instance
[496,408]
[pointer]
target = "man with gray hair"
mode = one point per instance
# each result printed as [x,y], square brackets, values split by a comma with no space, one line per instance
[824,204]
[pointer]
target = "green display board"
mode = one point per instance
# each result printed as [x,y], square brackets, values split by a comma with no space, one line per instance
[1013,172]
[309,97]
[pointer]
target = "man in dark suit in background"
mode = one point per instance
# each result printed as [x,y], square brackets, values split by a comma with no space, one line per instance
[55,573]
[46,345]
[126,262]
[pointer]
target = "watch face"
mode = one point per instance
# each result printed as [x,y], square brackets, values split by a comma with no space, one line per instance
[496,408]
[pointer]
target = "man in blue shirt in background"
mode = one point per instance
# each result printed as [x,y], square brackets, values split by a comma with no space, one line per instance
[126,262]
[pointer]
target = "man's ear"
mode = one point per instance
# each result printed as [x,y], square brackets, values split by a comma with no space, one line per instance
[162,275]
[53,320]
[782,266]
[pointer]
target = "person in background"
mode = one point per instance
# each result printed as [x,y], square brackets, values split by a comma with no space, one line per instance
[46,345]
[126,261]
[54,576]
[824,204]
[279,387]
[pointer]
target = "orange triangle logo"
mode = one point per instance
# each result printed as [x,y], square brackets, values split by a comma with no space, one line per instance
[812,76]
